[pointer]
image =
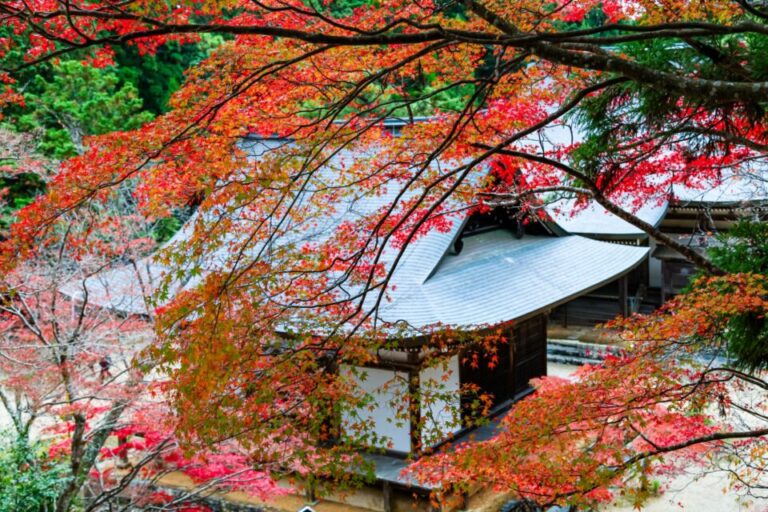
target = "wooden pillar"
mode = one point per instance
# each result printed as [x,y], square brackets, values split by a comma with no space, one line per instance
[387,492]
[513,340]
[309,491]
[623,296]
[565,315]
[414,416]
[436,504]
[464,500]
[645,272]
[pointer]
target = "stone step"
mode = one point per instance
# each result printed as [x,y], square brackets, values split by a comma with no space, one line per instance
[577,353]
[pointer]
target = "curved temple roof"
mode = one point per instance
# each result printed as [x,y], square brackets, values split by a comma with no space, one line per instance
[498,278]
[495,278]
[594,220]
[733,190]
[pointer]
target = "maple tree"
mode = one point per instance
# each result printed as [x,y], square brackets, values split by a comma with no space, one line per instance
[71,378]
[688,391]
[661,93]
[671,400]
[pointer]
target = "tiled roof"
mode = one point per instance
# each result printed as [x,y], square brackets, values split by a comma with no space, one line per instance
[732,190]
[496,277]
[594,220]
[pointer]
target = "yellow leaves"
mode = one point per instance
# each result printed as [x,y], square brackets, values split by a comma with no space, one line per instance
[702,311]
[665,11]
[532,16]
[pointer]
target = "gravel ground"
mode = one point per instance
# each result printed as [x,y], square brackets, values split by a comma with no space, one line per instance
[706,494]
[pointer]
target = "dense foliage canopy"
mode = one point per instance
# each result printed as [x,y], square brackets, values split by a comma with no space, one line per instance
[610,101]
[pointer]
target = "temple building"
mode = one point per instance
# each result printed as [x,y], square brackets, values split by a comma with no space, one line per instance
[692,216]
[488,271]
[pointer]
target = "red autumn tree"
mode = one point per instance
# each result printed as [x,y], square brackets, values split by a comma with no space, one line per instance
[671,400]
[71,376]
[661,93]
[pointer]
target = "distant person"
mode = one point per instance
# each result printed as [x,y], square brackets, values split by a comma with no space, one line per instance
[104,364]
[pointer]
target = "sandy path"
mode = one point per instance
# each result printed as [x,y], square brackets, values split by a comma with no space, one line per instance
[707,494]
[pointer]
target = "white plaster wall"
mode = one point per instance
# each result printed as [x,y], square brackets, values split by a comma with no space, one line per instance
[441,401]
[389,391]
